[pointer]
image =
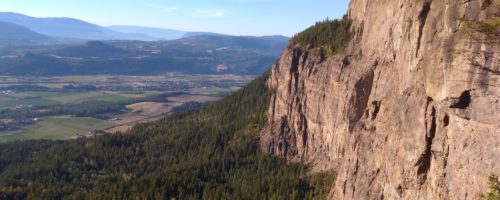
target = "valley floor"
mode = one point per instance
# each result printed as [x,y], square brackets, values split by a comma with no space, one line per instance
[209,153]
[57,107]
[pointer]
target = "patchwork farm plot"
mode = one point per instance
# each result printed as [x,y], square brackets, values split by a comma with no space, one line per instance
[79,106]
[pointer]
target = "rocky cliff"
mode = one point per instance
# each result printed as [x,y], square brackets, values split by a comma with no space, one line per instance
[400,114]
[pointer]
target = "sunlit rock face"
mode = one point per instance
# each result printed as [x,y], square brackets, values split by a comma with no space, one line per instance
[400,114]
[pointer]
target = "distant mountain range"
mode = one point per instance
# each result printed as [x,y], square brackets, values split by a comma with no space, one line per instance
[69,30]
[64,46]
[202,54]
[155,33]
[159,33]
[12,34]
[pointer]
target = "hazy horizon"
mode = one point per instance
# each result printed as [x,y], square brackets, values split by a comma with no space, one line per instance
[234,17]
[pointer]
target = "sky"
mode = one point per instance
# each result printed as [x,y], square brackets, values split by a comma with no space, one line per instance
[235,17]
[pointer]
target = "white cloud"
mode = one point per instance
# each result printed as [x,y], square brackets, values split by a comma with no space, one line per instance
[218,14]
[170,9]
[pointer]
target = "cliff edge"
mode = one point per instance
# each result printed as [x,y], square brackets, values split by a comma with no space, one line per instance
[399,114]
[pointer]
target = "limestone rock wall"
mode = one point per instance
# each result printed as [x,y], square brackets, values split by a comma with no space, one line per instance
[400,114]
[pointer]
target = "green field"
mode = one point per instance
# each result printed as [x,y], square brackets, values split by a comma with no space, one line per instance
[11,102]
[212,90]
[55,128]
[54,98]
[81,78]
[112,89]
[63,97]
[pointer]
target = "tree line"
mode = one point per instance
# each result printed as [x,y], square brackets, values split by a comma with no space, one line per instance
[331,36]
[210,153]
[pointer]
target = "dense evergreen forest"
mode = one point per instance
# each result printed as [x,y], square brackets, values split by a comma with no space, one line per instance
[210,153]
[332,36]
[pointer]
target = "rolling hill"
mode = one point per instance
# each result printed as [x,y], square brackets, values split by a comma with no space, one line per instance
[91,49]
[67,28]
[13,34]
[138,51]
[204,54]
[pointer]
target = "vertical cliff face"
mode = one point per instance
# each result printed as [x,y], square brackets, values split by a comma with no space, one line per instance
[400,114]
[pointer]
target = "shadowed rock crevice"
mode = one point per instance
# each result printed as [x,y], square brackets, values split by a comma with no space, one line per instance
[422,18]
[359,100]
[463,101]
[375,109]
[294,69]
[446,120]
[286,139]
[424,162]
[281,140]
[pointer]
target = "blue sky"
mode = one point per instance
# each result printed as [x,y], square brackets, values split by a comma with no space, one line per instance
[237,17]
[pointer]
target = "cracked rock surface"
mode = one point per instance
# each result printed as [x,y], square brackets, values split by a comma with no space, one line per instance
[398,115]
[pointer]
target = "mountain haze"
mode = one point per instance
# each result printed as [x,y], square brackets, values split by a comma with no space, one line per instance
[192,34]
[68,28]
[12,34]
[72,47]
[204,54]
[154,33]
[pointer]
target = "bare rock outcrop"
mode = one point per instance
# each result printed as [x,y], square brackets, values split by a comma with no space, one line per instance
[399,115]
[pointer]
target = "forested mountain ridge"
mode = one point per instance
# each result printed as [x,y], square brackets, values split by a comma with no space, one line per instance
[154,33]
[71,30]
[207,154]
[203,54]
[13,34]
[91,49]
[68,28]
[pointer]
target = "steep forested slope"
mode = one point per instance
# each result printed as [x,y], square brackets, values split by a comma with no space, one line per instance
[205,154]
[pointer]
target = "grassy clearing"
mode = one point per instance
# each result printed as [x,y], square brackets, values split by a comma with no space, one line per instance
[113,97]
[54,98]
[11,102]
[65,97]
[81,78]
[54,128]
[210,91]
[149,108]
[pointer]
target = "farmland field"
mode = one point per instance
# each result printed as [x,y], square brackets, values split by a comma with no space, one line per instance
[54,107]
[11,102]
[150,111]
[57,127]
[54,98]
